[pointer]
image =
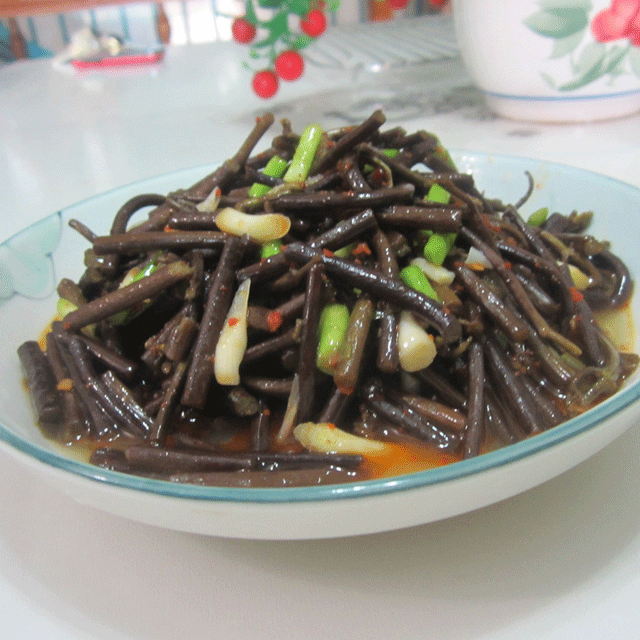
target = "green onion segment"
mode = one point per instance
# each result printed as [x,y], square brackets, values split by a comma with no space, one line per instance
[304,154]
[332,329]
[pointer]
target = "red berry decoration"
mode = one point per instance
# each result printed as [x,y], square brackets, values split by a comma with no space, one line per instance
[314,23]
[265,84]
[289,65]
[398,4]
[243,31]
[284,29]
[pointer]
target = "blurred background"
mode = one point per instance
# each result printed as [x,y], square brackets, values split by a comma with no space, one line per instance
[32,34]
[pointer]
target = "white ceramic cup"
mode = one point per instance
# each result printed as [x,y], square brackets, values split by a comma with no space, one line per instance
[553,60]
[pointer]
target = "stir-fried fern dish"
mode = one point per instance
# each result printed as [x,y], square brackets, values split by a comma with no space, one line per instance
[341,306]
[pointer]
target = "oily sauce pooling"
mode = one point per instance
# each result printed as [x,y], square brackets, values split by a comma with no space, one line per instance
[342,306]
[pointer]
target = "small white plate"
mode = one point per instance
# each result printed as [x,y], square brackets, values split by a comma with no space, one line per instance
[35,259]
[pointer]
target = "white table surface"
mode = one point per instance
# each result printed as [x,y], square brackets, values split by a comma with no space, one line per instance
[559,562]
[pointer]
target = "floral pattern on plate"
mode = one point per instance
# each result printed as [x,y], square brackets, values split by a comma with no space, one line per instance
[26,267]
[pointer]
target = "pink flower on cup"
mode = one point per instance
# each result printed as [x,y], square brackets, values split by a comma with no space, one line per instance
[611,51]
[620,20]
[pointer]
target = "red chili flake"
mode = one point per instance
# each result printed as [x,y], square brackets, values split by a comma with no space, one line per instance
[360,249]
[491,226]
[266,412]
[507,265]
[333,360]
[576,296]
[168,229]
[379,177]
[346,391]
[331,425]
[274,320]
[65,384]
[328,253]
[233,322]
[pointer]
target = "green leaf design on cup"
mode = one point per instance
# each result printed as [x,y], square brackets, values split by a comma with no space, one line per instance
[570,26]
[590,67]
[564,46]
[634,61]
[558,22]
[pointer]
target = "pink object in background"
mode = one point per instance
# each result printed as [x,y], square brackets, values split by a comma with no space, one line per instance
[124,60]
[620,20]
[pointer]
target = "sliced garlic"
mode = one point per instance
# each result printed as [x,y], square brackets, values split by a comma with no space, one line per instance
[232,343]
[580,278]
[434,272]
[477,260]
[327,438]
[261,227]
[416,347]
[210,203]
[291,412]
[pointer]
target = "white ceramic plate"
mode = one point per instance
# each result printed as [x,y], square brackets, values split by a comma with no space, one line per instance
[34,260]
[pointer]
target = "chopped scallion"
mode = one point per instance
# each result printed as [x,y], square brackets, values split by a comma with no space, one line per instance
[539,217]
[304,154]
[275,168]
[334,321]
[414,277]
[271,248]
